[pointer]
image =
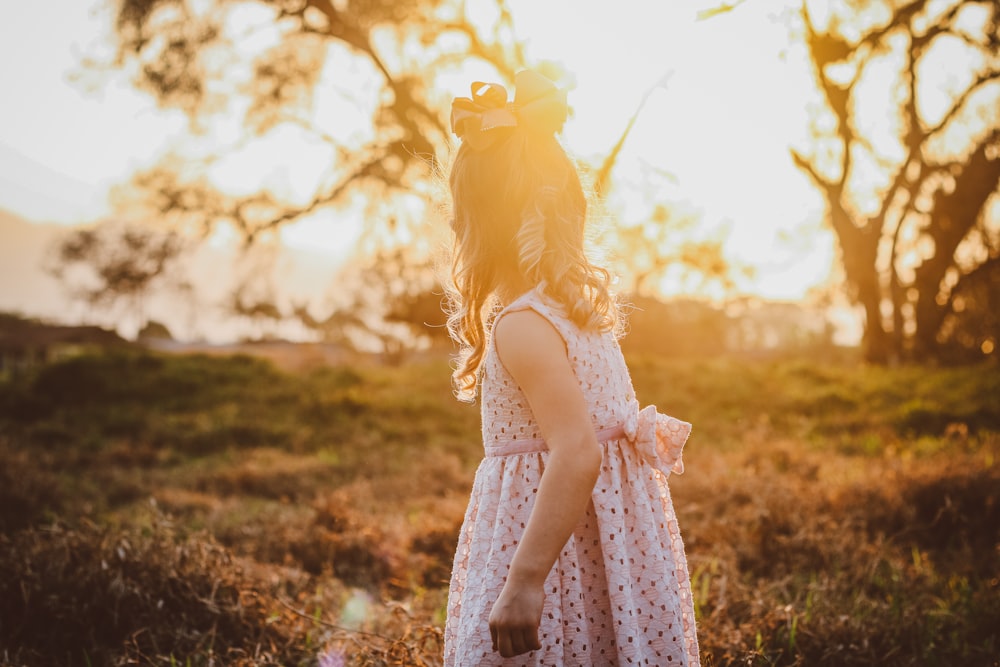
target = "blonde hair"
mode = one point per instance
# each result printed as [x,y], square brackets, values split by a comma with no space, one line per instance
[518,213]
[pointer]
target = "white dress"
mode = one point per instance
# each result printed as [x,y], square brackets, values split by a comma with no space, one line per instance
[619,593]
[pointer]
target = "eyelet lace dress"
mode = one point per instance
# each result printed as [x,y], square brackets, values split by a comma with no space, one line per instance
[619,593]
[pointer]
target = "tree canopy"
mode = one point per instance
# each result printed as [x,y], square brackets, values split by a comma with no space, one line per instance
[354,78]
[362,88]
[115,266]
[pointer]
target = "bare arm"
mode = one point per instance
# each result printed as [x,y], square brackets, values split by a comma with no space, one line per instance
[534,354]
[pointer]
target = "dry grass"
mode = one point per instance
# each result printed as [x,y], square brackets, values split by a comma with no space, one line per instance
[797,560]
[194,510]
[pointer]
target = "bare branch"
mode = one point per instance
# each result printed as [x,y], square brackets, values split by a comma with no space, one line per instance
[723,8]
[974,87]
[368,170]
[805,165]
[901,16]
[604,173]
[491,53]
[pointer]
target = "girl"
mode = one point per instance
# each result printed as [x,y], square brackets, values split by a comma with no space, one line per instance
[570,552]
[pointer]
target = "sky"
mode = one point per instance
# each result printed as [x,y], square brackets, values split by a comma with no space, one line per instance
[50,128]
[721,127]
[733,104]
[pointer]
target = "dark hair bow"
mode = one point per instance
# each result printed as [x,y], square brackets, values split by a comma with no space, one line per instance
[481,119]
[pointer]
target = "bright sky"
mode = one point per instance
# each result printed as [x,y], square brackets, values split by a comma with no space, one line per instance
[733,105]
[47,125]
[722,127]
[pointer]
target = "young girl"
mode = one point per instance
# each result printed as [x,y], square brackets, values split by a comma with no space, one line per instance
[570,552]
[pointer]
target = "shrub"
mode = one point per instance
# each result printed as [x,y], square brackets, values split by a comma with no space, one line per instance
[93,595]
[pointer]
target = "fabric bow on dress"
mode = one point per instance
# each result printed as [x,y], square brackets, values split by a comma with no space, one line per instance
[658,438]
[538,105]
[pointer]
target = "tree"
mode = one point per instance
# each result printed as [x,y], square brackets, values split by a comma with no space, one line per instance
[662,251]
[395,307]
[907,158]
[115,265]
[192,56]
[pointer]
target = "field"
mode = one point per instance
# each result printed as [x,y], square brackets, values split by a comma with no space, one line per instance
[196,510]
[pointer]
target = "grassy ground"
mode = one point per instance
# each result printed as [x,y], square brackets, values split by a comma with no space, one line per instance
[200,510]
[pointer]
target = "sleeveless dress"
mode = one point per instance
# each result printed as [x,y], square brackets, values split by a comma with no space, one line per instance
[619,593]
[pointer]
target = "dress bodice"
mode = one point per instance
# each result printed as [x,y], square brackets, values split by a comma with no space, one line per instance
[595,358]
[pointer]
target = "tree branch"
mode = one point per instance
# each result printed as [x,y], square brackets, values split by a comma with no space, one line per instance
[901,16]
[604,173]
[370,169]
[805,165]
[989,265]
[981,80]
[404,100]
[724,8]
[492,54]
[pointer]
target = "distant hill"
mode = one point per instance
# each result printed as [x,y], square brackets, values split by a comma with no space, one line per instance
[24,285]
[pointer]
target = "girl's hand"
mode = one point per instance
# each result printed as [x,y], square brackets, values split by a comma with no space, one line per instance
[515,618]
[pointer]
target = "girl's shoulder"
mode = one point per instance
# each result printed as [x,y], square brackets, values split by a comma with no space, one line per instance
[549,308]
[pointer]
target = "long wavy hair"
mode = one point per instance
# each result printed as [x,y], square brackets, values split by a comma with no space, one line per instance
[518,213]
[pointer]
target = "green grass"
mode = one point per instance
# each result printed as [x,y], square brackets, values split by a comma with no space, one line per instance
[834,513]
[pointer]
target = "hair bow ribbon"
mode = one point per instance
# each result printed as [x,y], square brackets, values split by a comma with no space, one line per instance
[538,105]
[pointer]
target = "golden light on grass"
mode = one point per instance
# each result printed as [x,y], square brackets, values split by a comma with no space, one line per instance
[838,501]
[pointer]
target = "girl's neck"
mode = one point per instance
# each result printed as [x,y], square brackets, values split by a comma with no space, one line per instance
[509,292]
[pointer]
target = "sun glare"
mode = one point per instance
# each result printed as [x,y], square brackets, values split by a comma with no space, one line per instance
[726,101]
